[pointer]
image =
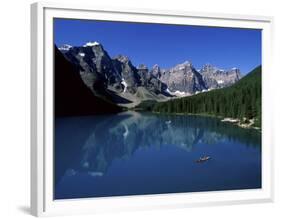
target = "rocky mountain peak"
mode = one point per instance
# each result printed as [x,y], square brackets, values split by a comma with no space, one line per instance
[187,63]
[94,47]
[217,78]
[208,69]
[156,71]
[236,70]
[142,67]
[122,58]
[156,67]
[105,75]
[182,69]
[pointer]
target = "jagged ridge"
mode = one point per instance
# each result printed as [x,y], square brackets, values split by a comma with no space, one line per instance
[120,81]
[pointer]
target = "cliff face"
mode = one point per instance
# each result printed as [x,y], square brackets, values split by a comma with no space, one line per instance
[183,78]
[72,96]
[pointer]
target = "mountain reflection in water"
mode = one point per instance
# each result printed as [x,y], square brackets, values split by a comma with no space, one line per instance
[105,155]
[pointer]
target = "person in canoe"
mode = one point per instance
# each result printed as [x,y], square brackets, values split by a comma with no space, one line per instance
[203,159]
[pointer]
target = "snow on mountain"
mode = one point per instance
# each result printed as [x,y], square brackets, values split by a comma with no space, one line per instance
[65,47]
[100,72]
[178,93]
[95,43]
[123,82]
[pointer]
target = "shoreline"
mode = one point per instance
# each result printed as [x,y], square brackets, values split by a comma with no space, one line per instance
[241,124]
[234,121]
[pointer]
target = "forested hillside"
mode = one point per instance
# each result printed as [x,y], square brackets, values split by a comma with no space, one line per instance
[241,100]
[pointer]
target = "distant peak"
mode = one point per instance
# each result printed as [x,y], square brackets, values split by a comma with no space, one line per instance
[209,68]
[184,65]
[156,66]
[90,44]
[142,66]
[237,71]
[208,65]
[65,47]
[187,63]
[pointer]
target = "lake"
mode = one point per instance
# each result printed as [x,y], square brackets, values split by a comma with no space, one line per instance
[134,153]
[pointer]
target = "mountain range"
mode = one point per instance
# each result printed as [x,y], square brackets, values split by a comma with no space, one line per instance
[118,81]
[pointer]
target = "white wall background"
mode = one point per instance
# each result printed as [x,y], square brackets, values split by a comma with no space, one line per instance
[14,106]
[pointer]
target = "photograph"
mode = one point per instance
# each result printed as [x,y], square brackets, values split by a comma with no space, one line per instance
[153,108]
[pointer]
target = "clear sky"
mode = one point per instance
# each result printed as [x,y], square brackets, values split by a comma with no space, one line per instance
[166,45]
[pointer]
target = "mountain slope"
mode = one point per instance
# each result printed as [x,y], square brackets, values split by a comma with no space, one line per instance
[119,81]
[72,96]
[115,79]
[241,100]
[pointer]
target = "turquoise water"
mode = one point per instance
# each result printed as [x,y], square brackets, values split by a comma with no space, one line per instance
[143,153]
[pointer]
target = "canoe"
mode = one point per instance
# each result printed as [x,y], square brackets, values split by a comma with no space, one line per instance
[203,159]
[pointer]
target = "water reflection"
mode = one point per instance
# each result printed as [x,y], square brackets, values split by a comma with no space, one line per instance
[91,144]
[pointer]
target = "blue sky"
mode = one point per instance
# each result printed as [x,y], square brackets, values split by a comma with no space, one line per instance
[166,45]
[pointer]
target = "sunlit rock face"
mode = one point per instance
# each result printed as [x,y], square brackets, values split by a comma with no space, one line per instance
[119,81]
[183,78]
[219,78]
[115,79]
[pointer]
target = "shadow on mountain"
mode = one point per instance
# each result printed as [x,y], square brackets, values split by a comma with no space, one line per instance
[117,99]
[73,97]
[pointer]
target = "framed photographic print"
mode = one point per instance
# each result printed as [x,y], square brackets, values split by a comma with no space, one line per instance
[138,109]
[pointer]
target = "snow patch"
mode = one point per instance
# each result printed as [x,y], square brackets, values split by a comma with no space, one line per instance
[220,81]
[81,54]
[124,83]
[91,44]
[180,93]
[168,91]
[65,47]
